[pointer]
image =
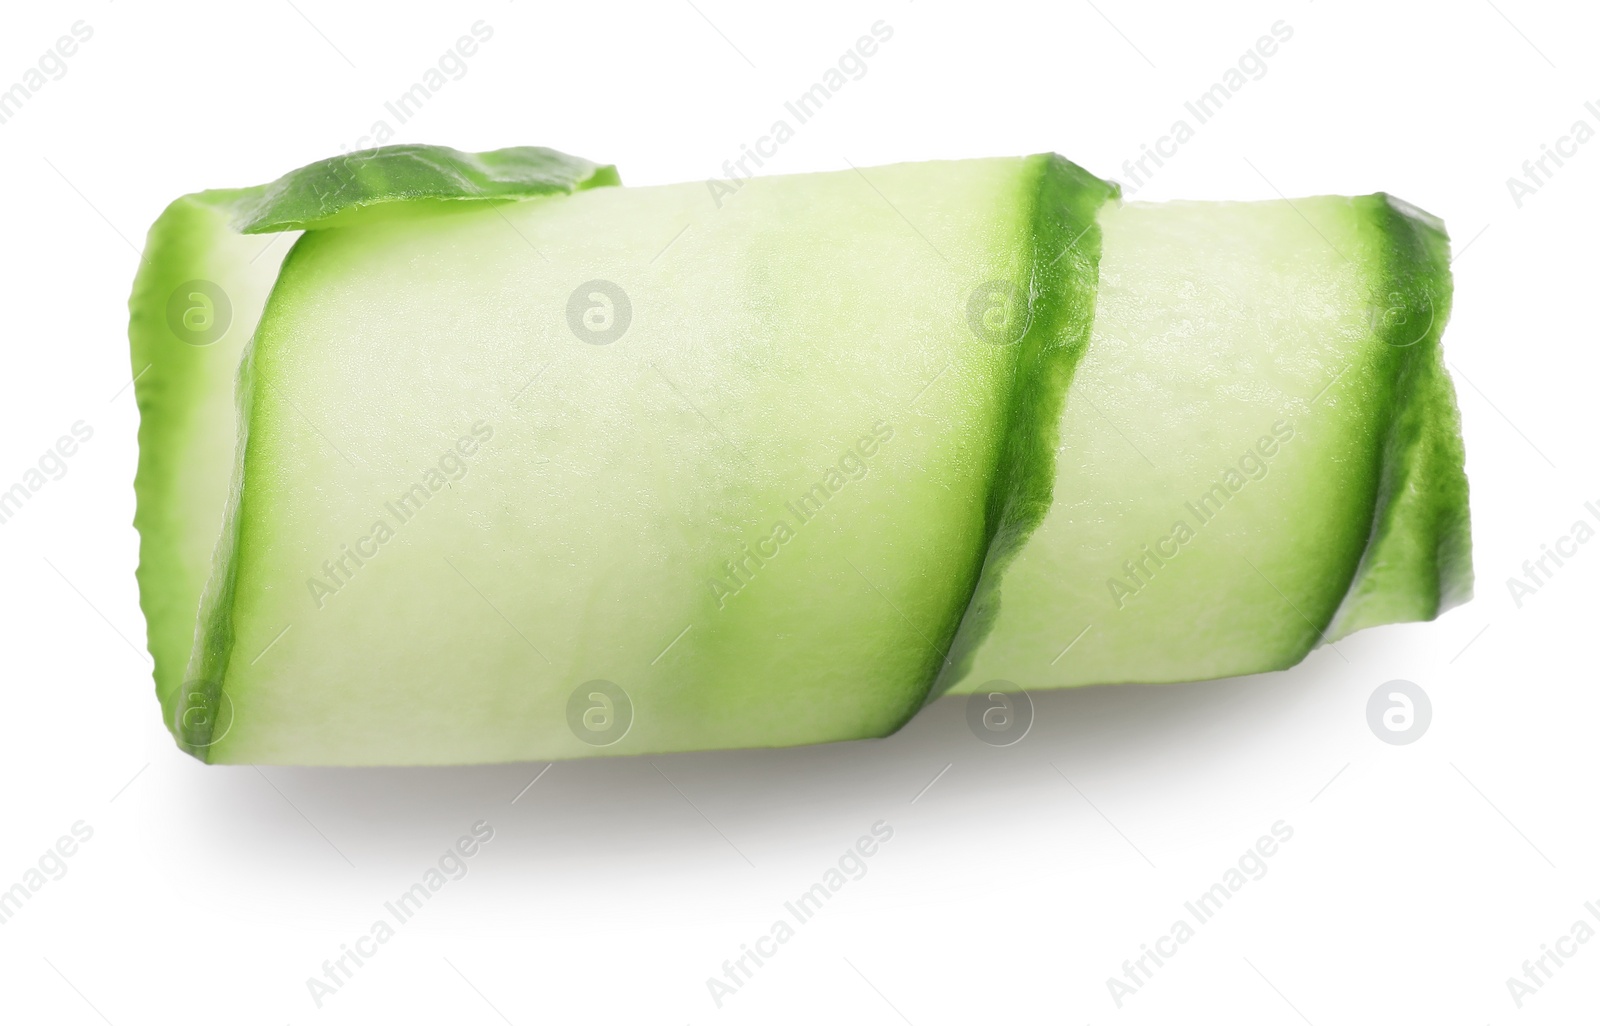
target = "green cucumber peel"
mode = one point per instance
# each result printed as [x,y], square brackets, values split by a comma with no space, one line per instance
[1418,559]
[347,189]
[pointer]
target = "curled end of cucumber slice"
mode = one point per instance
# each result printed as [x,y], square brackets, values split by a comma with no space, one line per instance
[210,261]
[1418,558]
[1260,450]
[347,189]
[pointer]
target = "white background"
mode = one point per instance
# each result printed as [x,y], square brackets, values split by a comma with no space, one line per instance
[1418,878]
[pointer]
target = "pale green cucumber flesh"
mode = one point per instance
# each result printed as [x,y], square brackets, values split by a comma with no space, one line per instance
[761,512]
[1258,454]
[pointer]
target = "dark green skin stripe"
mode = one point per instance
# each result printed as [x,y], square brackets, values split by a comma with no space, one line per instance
[1418,558]
[1066,264]
[1415,559]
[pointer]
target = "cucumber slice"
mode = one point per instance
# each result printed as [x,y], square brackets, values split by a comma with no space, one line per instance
[559,472]
[1259,453]
[621,472]
[196,300]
